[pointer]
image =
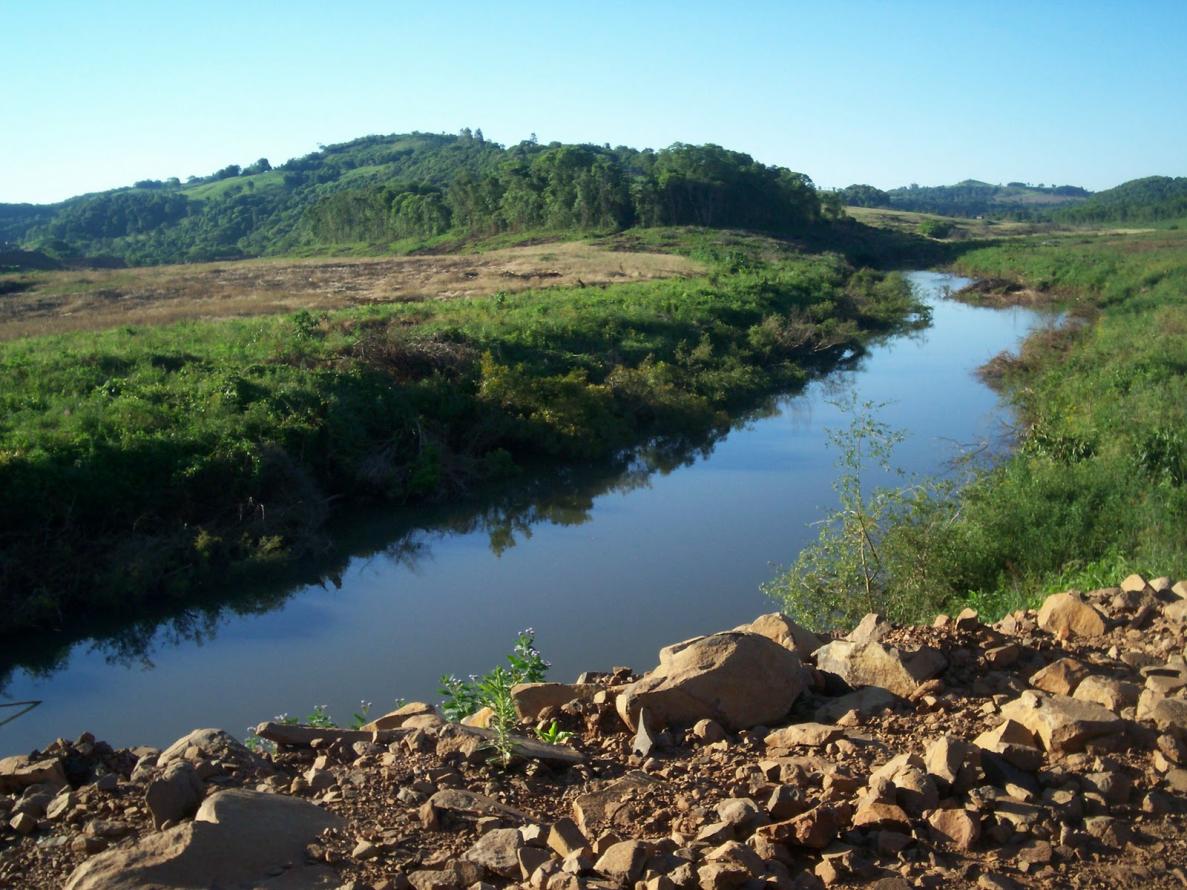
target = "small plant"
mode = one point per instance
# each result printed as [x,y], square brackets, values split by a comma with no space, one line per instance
[872,552]
[493,690]
[553,734]
[361,716]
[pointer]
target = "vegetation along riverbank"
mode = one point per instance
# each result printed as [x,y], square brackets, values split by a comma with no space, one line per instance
[144,461]
[1096,484]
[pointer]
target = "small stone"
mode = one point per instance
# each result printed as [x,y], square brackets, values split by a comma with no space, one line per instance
[566,838]
[645,740]
[1060,677]
[957,826]
[708,731]
[364,850]
[22,823]
[623,862]
[803,735]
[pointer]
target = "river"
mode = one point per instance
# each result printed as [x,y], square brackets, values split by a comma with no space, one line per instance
[606,567]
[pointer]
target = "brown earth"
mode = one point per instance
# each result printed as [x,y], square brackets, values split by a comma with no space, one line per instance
[1048,750]
[36,303]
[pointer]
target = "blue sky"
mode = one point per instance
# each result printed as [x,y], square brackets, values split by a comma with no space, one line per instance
[99,94]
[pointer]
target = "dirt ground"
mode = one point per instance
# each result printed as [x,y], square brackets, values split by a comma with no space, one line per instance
[37,303]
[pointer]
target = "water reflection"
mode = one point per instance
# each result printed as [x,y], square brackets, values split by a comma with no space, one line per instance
[506,515]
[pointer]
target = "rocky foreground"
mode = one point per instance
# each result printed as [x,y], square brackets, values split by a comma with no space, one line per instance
[1049,749]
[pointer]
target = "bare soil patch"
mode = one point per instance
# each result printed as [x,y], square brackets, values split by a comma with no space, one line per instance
[37,303]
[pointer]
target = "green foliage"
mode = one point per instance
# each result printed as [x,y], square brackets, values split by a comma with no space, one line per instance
[465,697]
[974,198]
[935,228]
[862,560]
[493,690]
[408,190]
[553,734]
[1150,199]
[1095,489]
[144,464]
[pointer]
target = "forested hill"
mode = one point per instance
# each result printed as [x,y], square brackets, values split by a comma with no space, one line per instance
[416,187]
[1139,200]
[968,198]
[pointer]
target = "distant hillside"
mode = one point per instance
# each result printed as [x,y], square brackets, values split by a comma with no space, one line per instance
[975,198]
[1139,200]
[382,189]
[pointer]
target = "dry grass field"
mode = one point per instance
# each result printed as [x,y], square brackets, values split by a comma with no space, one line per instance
[36,303]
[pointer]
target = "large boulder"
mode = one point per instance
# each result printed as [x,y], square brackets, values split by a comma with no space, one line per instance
[238,839]
[873,664]
[1066,615]
[737,678]
[778,627]
[214,744]
[18,773]
[1063,725]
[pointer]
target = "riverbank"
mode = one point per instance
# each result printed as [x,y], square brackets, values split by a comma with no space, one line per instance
[1096,486]
[1048,749]
[143,464]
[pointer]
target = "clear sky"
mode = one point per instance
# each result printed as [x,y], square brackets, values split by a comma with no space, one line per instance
[99,94]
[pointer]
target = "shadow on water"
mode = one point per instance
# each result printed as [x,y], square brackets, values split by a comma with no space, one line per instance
[506,513]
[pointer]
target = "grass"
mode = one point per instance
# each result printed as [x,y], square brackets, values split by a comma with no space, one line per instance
[1098,485]
[141,464]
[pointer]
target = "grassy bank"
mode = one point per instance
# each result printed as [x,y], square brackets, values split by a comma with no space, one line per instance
[144,463]
[1098,485]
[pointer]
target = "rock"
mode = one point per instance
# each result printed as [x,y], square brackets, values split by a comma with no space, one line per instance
[1066,615]
[737,854]
[1014,742]
[738,811]
[237,838]
[878,815]
[1108,693]
[865,702]
[481,718]
[498,852]
[400,716]
[566,838]
[782,630]
[645,740]
[1063,725]
[469,806]
[609,805]
[60,806]
[175,795]
[623,862]
[816,828]
[957,826]
[707,731]
[871,629]
[1060,677]
[803,735]
[18,773]
[1003,656]
[1176,612]
[22,823]
[1170,715]
[738,679]
[532,698]
[435,879]
[872,664]
[1134,584]
[944,758]
[214,744]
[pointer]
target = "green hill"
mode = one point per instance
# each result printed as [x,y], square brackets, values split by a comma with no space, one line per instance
[1149,199]
[377,190]
[975,198]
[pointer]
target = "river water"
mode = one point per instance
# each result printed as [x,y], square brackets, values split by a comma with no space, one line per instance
[605,566]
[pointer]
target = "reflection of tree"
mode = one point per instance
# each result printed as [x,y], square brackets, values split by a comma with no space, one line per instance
[562,496]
